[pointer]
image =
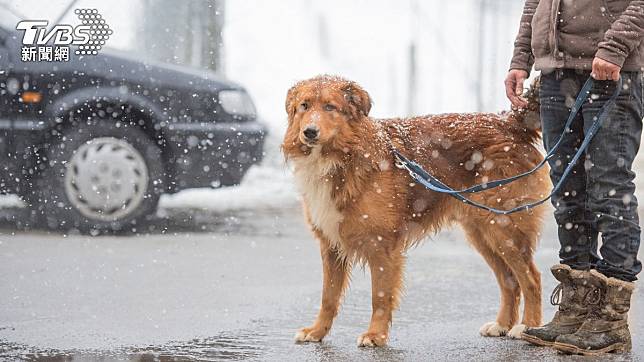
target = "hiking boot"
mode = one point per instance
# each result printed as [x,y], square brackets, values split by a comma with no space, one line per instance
[569,295]
[606,328]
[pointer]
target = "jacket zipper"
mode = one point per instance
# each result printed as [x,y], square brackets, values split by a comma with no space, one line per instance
[555,21]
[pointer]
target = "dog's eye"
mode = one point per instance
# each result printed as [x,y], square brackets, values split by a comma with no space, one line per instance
[303,106]
[329,107]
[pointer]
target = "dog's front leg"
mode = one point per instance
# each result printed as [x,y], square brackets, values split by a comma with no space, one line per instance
[386,282]
[336,277]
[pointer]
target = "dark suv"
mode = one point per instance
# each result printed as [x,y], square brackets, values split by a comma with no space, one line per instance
[91,143]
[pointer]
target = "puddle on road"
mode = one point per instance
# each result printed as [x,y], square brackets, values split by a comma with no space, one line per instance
[223,347]
[227,346]
[270,342]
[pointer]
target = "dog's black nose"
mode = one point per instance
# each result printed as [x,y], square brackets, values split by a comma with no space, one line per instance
[311,132]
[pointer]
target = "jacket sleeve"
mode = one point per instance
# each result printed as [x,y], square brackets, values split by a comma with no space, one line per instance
[522,57]
[624,35]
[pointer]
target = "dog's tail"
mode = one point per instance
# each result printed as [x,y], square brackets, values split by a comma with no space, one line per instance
[528,118]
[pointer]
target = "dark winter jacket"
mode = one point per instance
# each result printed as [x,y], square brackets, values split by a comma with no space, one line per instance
[570,33]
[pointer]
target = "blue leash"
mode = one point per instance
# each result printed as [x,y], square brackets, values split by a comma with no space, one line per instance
[434,184]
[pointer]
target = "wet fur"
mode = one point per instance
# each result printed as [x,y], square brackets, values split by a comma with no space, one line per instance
[363,209]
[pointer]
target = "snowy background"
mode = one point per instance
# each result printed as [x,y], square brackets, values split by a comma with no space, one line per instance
[462,51]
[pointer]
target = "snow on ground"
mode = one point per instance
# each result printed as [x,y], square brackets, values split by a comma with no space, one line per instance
[264,187]
[10,201]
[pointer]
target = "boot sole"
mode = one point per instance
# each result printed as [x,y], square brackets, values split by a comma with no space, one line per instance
[536,341]
[572,349]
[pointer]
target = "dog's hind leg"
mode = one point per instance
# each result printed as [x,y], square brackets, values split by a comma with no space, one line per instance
[335,280]
[509,286]
[516,247]
[386,282]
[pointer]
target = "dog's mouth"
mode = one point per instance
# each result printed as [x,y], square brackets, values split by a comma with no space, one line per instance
[310,143]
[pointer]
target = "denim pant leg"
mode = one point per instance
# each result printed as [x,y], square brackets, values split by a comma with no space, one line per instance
[577,236]
[610,186]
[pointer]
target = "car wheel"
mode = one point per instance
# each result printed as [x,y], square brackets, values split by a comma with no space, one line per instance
[99,177]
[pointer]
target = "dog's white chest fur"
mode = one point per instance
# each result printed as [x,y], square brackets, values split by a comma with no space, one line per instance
[311,175]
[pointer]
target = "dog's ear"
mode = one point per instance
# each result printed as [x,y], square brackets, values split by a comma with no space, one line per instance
[291,97]
[358,99]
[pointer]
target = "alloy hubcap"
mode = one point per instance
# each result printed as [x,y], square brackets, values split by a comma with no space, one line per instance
[106,179]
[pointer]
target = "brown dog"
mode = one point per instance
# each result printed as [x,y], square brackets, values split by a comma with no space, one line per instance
[363,209]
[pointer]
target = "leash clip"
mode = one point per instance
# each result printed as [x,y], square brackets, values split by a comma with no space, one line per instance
[400,164]
[403,166]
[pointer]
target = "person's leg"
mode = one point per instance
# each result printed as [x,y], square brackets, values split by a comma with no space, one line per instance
[610,177]
[613,205]
[577,236]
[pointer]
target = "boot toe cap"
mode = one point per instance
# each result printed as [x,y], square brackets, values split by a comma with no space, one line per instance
[540,334]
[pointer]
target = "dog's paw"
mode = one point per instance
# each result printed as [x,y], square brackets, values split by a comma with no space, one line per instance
[493,329]
[372,339]
[516,331]
[309,335]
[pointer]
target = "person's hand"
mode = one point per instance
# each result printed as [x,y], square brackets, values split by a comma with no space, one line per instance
[514,87]
[603,70]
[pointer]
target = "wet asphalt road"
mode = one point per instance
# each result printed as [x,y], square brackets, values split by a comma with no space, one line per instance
[238,289]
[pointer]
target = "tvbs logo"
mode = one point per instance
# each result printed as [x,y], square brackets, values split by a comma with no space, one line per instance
[89,37]
[63,34]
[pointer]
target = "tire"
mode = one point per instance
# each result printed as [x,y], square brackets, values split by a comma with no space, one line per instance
[99,177]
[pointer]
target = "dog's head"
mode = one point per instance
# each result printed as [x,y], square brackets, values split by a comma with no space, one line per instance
[325,112]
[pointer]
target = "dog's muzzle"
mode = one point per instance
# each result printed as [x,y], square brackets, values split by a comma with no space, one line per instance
[311,133]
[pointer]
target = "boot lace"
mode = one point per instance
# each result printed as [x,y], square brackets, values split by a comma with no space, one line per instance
[591,297]
[555,297]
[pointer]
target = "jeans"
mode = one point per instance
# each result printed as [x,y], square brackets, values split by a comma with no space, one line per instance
[598,197]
